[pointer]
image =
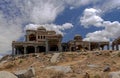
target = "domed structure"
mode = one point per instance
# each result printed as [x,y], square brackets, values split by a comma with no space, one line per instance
[41,28]
[78,37]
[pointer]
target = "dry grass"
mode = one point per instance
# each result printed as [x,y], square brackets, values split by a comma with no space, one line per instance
[78,62]
[52,74]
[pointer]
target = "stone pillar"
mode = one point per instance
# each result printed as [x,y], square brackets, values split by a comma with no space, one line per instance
[112,47]
[17,52]
[46,44]
[25,52]
[35,49]
[108,47]
[69,47]
[98,45]
[102,47]
[117,48]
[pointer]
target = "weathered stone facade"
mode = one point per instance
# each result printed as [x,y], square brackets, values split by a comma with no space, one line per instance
[79,44]
[39,40]
[115,44]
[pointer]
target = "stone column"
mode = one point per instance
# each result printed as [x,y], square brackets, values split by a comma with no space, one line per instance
[13,51]
[69,47]
[108,47]
[17,52]
[46,44]
[112,47]
[25,52]
[98,45]
[35,49]
[117,48]
[102,47]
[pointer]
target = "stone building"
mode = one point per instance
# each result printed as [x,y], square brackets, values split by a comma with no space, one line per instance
[78,44]
[115,44]
[39,40]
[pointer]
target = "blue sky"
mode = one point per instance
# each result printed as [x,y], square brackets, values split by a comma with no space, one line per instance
[94,20]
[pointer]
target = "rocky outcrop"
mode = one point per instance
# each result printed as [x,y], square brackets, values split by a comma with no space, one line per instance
[114,74]
[54,58]
[5,74]
[106,69]
[25,73]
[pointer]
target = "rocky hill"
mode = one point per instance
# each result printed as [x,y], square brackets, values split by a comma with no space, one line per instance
[94,64]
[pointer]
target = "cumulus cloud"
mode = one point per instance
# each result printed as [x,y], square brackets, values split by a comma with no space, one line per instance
[110,31]
[15,14]
[91,17]
[57,28]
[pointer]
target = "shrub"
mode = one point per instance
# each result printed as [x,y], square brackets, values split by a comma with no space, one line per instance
[97,76]
[20,61]
[53,74]
[118,54]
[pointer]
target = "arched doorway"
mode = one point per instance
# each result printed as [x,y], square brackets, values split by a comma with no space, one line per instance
[72,48]
[41,48]
[32,37]
[86,48]
[30,49]
[79,47]
[53,48]
[21,50]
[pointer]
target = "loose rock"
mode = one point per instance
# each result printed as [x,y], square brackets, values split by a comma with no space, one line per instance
[114,74]
[25,73]
[106,69]
[5,74]
[54,57]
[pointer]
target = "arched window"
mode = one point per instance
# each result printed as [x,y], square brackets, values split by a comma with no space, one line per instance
[32,37]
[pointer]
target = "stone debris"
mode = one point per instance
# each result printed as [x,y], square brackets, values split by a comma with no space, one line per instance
[114,74]
[54,58]
[97,53]
[25,73]
[65,69]
[5,74]
[106,69]
[93,66]
[86,75]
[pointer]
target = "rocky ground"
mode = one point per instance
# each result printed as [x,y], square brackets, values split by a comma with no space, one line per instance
[94,64]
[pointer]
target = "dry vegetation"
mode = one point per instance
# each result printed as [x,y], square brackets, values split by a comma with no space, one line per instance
[81,63]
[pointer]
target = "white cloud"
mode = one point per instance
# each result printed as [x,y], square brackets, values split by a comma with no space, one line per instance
[77,3]
[9,31]
[109,5]
[17,13]
[90,17]
[57,28]
[110,31]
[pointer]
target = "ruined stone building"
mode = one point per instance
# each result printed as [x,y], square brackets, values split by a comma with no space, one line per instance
[39,40]
[79,44]
[115,44]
